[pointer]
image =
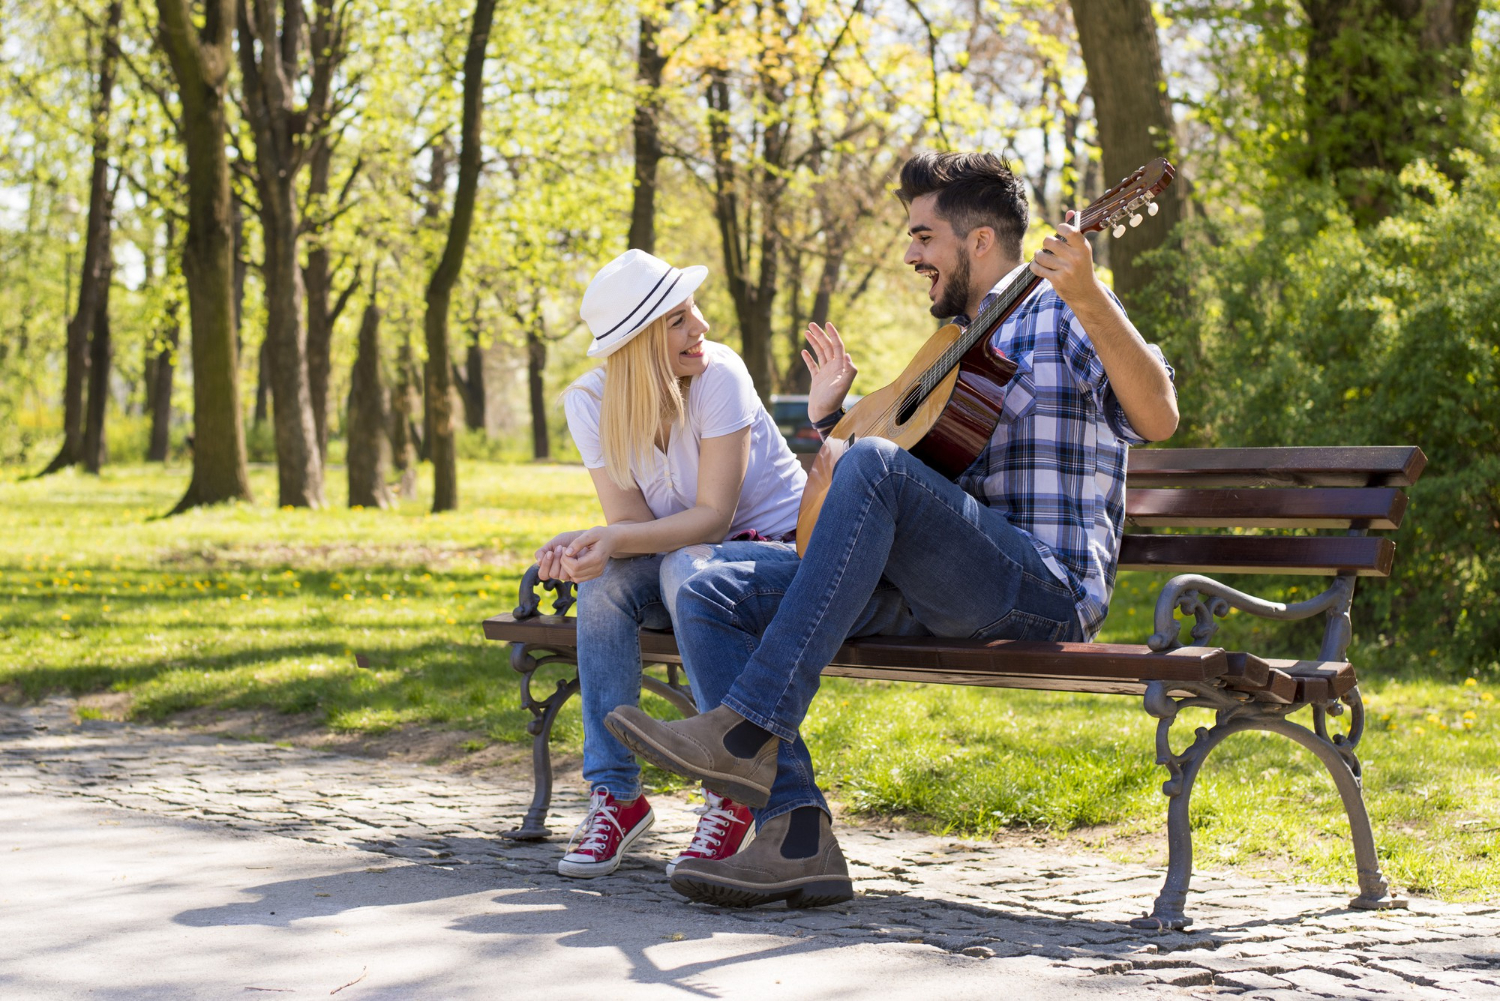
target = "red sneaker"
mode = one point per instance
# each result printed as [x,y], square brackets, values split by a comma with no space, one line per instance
[726,827]
[609,829]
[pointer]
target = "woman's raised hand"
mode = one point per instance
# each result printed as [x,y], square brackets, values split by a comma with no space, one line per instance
[832,371]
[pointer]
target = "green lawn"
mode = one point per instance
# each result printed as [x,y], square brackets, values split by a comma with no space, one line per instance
[248,606]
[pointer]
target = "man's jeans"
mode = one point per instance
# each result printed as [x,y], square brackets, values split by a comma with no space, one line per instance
[898,550]
[631,593]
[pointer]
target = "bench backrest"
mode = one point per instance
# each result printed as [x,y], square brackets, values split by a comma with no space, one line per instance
[1353,489]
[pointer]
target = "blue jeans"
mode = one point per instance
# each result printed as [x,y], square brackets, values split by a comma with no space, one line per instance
[632,593]
[899,550]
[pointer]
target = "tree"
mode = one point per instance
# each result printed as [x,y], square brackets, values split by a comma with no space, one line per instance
[1134,114]
[650,64]
[83,423]
[439,380]
[270,55]
[200,60]
[369,453]
[1383,89]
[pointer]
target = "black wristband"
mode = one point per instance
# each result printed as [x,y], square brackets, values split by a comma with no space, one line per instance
[826,424]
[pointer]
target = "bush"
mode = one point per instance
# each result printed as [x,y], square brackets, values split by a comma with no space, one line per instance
[1309,330]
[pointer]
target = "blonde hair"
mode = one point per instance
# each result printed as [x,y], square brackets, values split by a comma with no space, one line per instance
[640,392]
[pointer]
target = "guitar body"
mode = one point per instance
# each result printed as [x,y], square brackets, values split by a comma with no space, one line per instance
[946,404]
[947,429]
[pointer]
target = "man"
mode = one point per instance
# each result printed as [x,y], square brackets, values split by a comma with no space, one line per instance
[1031,530]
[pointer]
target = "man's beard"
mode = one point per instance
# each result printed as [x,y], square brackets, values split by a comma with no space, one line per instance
[955,297]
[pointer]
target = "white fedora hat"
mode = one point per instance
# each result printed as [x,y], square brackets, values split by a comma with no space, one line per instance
[628,293]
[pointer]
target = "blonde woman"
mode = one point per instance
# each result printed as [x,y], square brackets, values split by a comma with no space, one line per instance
[690,471]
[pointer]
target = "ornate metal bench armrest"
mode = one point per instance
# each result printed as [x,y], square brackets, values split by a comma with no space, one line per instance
[1206,600]
[531,601]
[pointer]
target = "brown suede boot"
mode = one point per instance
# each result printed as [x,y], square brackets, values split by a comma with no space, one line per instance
[762,873]
[694,747]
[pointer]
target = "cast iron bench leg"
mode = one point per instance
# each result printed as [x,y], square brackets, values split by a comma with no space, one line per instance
[544,715]
[1337,755]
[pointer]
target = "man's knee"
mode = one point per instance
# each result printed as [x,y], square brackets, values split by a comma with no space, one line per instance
[868,459]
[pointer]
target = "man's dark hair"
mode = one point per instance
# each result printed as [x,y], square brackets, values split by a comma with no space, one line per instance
[973,189]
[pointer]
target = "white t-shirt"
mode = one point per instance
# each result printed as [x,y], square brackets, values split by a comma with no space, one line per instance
[720,401]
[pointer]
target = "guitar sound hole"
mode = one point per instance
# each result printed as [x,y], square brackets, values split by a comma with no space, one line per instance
[909,404]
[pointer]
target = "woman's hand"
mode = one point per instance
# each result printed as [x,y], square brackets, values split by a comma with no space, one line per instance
[588,554]
[832,371]
[549,558]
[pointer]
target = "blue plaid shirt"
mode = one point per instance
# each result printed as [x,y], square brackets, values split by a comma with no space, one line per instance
[1055,465]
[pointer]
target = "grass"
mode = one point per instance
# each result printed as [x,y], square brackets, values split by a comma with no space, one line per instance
[250,607]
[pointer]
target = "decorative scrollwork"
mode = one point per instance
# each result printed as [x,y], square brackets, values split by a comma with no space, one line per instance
[1207,600]
[1348,741]
[530,601]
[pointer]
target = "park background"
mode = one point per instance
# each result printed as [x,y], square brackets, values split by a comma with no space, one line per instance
[288,294]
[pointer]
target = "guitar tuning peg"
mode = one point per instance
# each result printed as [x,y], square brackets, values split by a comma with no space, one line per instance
[1135,220]
[1119,231]
[1153,208]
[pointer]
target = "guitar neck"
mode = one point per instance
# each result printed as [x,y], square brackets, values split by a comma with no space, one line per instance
[983,326]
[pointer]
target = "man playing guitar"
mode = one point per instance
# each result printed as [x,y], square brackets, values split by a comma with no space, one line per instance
[1029,534]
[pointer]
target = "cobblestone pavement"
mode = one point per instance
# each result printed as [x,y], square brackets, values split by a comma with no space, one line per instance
[1023,910]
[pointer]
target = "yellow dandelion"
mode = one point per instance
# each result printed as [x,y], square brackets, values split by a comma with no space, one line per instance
[1487,697]
[66,617]
[1418,730]
[348,597]
[1470,682]
[1470,714]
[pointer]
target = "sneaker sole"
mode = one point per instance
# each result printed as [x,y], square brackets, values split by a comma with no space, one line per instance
[590,870]
[814,892]
[733,786]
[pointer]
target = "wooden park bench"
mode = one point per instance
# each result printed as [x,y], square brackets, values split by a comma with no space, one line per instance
[1322,503]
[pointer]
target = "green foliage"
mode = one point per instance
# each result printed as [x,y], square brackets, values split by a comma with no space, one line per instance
[1308,330]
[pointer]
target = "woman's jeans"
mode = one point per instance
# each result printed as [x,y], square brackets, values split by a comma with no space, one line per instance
[632,593]
[899,550]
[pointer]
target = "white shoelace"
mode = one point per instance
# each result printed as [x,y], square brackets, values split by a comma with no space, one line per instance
[595,826]
[713,826]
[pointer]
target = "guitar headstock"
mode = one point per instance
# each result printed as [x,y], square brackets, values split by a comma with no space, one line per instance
[1124,201]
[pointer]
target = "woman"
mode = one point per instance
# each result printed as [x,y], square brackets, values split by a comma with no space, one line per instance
[687,464]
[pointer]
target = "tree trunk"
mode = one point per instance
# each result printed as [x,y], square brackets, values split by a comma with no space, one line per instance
[649,67]
[536,364]
[369,413]
[445,275]
[101,359]
[318,282]
[404,438]
[1123,63]
[200,66]
[97,265]
[1383,88]
[161,386]
[262,384]
[473,386]
[269,70]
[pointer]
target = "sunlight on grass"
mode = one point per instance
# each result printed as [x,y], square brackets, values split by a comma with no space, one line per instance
[249,607]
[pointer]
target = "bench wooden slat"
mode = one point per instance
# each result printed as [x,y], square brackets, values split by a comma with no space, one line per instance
[1356,466]
[1095,686]
[1274,507]
[1326,555]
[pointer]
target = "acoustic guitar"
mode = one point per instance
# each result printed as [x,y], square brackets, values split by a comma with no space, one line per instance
[944,407]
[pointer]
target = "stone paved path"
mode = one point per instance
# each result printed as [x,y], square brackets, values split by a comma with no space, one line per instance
[1023,910]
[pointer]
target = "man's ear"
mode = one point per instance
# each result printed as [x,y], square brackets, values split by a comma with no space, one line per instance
[981,240]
